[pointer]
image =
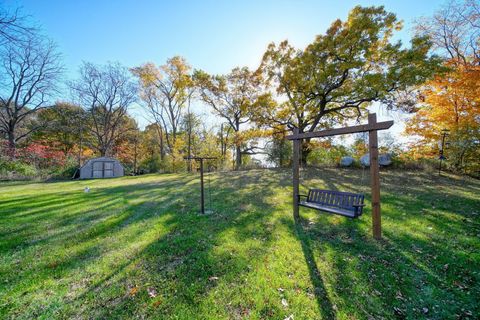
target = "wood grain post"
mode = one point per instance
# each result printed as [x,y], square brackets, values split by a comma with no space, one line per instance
[296,175]
[375,178]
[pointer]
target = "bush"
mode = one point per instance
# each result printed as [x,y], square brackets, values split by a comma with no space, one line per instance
[17,170]
[152,164]
[327,156]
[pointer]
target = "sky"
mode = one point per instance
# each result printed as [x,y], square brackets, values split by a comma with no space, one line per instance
[215,36]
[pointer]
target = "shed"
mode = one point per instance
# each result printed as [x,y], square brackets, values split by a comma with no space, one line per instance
[103,167]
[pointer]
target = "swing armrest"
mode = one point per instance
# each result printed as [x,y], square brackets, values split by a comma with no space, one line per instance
[300,196]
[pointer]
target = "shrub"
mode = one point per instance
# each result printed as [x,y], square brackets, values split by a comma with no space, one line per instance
[17,170]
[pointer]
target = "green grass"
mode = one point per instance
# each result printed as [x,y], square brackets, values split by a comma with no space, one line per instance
[134,247]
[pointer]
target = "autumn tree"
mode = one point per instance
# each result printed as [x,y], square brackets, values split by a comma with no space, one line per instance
[166,91]
[149,150]
[106,92]
[29,75]
[191,126]
[337,76]
[231,96]
[451,100]
[63,130]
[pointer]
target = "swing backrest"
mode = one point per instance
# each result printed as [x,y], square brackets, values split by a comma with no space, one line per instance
[338,199]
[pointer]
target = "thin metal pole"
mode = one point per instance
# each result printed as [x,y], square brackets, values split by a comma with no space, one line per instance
[201,187]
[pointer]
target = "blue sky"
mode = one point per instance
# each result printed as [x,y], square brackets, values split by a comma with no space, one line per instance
[212,35]
[215,36]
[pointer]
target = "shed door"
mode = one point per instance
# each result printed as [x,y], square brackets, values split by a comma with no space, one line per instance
[102,169]
[97,170]
[108,169]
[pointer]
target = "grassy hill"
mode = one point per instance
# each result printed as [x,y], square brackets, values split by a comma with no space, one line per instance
[135,247]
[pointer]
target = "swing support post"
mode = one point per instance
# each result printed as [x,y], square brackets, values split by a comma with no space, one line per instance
[296,175]
[372,127]
[374,178]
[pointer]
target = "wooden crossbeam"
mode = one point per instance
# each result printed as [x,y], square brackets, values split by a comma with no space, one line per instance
[346,130]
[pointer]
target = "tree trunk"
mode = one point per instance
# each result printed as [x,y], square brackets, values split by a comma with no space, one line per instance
[238,157]
[103,151]
[281,147]
[189,147]
[12,145]
[135,157]
[304,152]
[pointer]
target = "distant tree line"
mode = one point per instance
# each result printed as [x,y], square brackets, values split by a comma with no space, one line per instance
[329,83]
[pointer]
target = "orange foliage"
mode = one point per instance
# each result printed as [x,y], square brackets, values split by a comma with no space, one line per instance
[450,101]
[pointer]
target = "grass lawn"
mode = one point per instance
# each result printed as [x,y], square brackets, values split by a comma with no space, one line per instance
[135,247]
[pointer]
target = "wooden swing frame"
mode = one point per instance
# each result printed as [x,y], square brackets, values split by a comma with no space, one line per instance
[371,127]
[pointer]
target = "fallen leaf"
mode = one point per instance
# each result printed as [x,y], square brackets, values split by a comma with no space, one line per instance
[213,278]
[290,317]
[133,291]
[284,303]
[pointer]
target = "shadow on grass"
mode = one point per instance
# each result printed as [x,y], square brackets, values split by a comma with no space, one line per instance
[147,235]
[321,295]
[149,232]
[423,267]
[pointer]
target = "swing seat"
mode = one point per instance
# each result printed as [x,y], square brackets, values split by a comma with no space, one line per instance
[336,202]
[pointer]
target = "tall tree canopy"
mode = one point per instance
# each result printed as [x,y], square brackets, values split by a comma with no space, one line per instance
[13,27]
[337,76]
[29,74]
[231,96]
[106,91]
[166,91]
[454,31]
[451,100]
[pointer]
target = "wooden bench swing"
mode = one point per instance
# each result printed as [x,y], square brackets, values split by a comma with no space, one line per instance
[335,202]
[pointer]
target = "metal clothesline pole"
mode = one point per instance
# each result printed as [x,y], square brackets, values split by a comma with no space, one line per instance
[202,189]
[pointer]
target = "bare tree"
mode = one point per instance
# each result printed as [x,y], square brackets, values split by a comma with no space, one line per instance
[13,27]
[106,92]
[455,30]
[29,76]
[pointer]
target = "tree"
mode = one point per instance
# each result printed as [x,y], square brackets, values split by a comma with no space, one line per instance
[279,150]
[450,101]
[191,126]
[231,97]
[339,74]
[106,92]
[64,127]
[455,31]
[13,28]
[30,71]
[166,91]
